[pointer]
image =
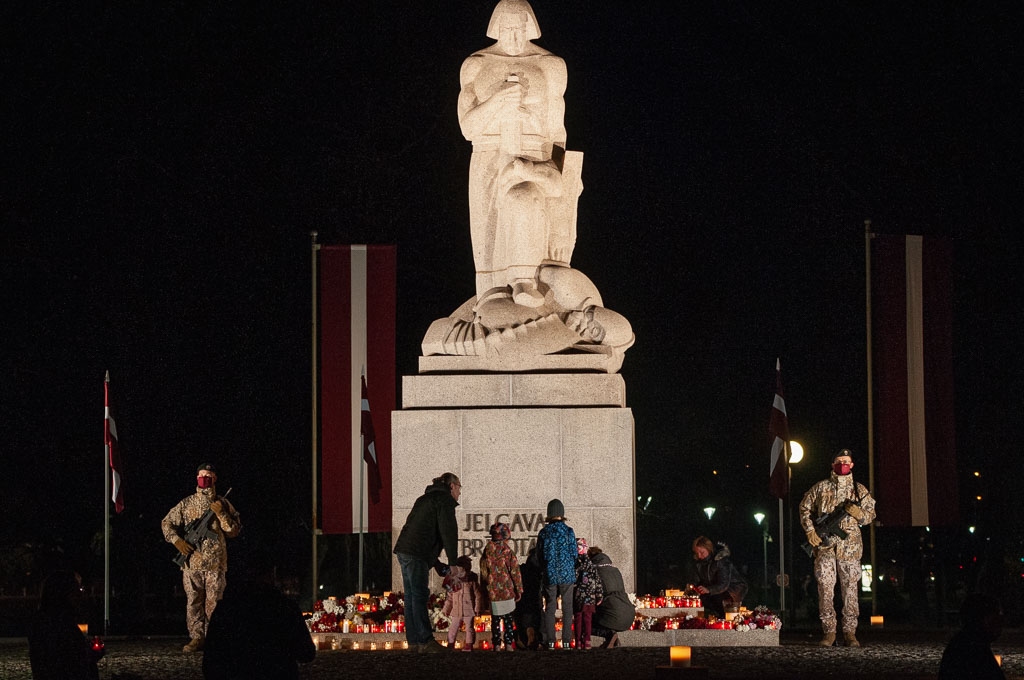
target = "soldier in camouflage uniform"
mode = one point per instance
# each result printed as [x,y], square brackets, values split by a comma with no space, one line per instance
[204,573]
[834,556]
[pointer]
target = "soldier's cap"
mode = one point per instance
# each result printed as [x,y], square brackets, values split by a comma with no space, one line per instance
[208,467]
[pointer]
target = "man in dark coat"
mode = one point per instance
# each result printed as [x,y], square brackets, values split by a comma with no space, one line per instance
[430,527]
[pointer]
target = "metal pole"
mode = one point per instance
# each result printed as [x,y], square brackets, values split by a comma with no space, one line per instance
[106,516]
[314,384]
[362,465]
[868,235]
[782,557]
[764,552]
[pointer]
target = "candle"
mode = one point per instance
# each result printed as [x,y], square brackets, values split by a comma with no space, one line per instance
[405,644]
[387,645]
[373,646]
[877,620]
[679,656]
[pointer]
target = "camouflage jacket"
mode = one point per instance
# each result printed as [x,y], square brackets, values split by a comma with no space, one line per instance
[210,555]
[823,498]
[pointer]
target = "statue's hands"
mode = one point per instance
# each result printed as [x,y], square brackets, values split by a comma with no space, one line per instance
[855,512]
[813,538]
[510,94]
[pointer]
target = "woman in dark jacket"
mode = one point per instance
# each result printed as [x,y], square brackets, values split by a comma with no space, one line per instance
[615,612]
[718,580]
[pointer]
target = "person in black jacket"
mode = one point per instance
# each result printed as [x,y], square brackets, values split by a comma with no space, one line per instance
[430,527]
[969,652]
[57,649]
[256,633]
[719,582]
[615,612]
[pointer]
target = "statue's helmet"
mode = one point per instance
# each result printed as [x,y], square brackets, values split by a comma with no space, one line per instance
[518,8]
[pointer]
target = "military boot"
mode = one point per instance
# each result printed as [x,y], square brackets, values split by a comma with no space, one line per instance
[828,639]
[851,639]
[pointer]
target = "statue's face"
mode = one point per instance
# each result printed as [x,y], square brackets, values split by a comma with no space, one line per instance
[512,34]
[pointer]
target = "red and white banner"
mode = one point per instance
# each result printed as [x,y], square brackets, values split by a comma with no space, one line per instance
[912,342]
[113,453]
[778,435]
[357,305]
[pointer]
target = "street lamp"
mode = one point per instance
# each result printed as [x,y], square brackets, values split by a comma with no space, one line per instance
[709,511]
[796,452]
[759,516]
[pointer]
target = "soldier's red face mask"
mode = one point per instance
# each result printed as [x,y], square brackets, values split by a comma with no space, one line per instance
[841,468]
[204,482]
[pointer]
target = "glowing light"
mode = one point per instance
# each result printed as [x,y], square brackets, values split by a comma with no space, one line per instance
[796,452]
[709,511]
[679,656]
[759,516]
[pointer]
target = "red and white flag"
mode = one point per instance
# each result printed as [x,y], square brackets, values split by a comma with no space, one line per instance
[912,353]
[357,312]
[113,453]
[778,434]
[369,447]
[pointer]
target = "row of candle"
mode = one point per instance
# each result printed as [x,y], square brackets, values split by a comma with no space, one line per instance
[649,602]
[325,642]
[389,626]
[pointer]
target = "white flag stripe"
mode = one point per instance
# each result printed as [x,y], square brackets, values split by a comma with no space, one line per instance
[358,289]
[915,382]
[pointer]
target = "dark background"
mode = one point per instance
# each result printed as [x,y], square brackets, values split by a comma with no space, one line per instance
[165,164]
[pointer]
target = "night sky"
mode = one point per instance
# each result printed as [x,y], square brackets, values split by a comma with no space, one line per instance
[165,164]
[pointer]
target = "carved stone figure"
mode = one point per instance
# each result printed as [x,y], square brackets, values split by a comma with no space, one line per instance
[523,190]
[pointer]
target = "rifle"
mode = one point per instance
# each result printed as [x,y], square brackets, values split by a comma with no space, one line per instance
[828,525]
[197,530]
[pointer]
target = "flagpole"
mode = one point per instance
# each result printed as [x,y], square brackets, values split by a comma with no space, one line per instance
[315,411]
[106,512]
[362,465]
[868,235]
[782,562]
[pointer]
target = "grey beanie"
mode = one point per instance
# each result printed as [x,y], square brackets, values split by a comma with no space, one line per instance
[555,510]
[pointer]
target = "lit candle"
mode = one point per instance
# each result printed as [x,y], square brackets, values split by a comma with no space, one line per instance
[679,656]
[355,645]
[877,620]
[387,645]
[405,644]
[373,646]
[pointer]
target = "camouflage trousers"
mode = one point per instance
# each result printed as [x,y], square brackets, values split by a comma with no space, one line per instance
[826,568]
[203,589]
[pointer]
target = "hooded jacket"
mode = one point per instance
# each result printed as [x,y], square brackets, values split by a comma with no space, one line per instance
[431,526]
[718,574]
[615,612]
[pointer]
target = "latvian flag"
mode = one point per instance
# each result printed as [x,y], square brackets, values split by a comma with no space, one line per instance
[113,453]
[357,297]
[911,323]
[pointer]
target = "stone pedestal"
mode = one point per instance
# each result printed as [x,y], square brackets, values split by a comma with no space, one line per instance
[517,441]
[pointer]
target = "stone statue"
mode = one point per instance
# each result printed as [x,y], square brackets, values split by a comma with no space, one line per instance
[523,189]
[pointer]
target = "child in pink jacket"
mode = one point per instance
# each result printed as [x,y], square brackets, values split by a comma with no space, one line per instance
[462,604]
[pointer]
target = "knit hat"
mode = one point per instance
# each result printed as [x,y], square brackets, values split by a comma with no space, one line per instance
[206,466]
[556,511]
[500,532]
[581,546]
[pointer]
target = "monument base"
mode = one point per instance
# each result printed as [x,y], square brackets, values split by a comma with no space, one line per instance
[516,442]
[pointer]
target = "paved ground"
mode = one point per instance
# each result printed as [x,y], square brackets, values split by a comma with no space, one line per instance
[886,655]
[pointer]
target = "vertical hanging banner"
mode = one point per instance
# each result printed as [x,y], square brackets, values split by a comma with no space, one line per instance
[912,342]
[357,305]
